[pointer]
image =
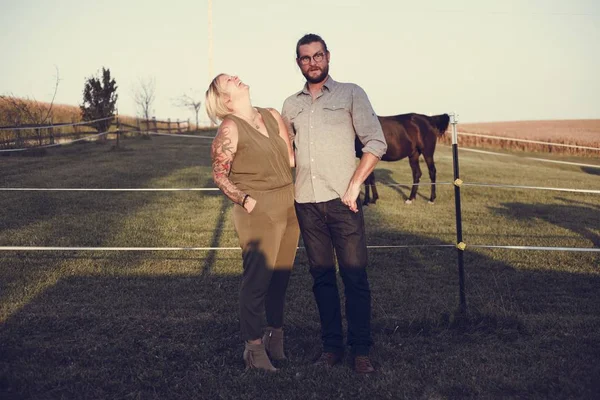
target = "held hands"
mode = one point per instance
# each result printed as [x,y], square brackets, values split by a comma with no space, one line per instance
[351,195]
[249,204]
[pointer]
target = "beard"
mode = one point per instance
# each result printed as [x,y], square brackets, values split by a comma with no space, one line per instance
[319,78]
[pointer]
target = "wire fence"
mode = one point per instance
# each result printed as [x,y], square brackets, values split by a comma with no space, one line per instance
[46,146]
[496,185]
[531,158]
[377,247]
[45,126]
[32,137]
[457,183]
[460,246]
[571,146]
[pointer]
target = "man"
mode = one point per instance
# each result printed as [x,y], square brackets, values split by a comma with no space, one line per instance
[324,118]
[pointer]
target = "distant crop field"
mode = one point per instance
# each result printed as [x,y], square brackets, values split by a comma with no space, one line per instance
[60,112]
[578,131]
[568,132]
[574,133]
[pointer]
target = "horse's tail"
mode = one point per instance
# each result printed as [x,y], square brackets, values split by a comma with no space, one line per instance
[441,123]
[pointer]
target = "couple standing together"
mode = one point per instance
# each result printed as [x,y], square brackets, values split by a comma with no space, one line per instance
[252,156]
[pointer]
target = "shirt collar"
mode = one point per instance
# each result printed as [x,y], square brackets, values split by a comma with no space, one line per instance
[328,85]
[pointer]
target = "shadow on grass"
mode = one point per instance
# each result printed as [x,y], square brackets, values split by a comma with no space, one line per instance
[209,262]
[591,171]
[581,219]
[579,202]
[54,218]
[384,177]
[92,167]
[531,334]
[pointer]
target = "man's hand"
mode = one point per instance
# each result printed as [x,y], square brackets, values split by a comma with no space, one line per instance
[351,195]
[365,167]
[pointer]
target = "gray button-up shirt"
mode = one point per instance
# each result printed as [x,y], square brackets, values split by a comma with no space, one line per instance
[324,132]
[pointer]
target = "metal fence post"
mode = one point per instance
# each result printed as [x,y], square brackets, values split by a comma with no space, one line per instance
[460,245]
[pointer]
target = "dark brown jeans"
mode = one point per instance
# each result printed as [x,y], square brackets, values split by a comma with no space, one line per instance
[329,231]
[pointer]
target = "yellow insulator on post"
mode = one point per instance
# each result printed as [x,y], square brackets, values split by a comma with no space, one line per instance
[458,182]
[461,246]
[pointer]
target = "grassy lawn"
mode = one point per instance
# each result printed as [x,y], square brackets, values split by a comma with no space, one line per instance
[164,325]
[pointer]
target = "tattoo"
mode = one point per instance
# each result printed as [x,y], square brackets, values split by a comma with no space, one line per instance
[223,153]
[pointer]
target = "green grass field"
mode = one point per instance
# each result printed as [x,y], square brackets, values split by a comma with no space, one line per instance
[164,325]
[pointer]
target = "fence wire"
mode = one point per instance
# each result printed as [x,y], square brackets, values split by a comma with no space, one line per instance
[461,246]
[60,125]
[88,136]
[572,146]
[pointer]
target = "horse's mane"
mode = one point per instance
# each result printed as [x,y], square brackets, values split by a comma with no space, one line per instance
[441,122]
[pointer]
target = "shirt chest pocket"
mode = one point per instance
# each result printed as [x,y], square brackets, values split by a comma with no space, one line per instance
[295,114]
[297,118]
[336,113]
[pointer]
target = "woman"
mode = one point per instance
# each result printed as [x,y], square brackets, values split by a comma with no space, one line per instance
[252,158]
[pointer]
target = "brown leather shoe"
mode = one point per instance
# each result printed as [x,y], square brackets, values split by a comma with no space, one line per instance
[362,365]
[329,358]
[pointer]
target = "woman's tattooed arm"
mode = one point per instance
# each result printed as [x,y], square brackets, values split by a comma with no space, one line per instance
[223,151]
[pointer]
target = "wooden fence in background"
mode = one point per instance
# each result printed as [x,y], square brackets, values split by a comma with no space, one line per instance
[36,135]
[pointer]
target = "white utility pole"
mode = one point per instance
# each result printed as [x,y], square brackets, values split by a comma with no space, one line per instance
[210,42]
[210,47]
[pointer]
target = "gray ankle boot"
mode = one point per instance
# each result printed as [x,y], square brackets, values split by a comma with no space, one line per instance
[255,356]
[273,340]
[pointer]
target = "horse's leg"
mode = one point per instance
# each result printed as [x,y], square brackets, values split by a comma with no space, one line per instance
[370,181]
[413,160]
[373,187]
[432,171]
[375,194]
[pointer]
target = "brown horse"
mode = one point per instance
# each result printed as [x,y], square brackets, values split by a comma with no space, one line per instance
[408,135]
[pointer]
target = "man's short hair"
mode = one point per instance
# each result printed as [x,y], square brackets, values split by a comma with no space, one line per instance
[308,39]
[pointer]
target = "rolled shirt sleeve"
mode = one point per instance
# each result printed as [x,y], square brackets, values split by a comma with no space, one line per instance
[366,124]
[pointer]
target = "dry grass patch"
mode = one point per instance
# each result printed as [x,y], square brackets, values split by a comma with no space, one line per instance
[571,132]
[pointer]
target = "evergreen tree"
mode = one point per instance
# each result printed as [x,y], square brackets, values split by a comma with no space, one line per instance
[99,100]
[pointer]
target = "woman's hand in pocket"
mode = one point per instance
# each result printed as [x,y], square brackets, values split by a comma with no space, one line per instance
[250,204]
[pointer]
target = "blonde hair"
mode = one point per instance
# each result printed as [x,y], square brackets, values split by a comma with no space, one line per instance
[214,104]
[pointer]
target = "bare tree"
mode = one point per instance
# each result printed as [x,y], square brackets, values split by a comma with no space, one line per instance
[23,111]
[144,95]
[191,103]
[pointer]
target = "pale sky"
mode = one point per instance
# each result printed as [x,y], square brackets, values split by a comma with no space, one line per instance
[487,60]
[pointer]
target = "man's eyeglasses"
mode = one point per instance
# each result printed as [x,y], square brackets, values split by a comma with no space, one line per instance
[305,60]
